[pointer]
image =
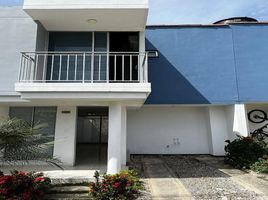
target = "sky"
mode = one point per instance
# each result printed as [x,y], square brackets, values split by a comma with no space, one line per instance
[196,11]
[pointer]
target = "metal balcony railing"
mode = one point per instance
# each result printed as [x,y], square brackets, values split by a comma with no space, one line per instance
[83,67]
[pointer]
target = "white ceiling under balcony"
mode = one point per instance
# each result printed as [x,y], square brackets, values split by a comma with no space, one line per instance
[89,15]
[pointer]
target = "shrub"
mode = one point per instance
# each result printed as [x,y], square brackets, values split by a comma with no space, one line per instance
[23,186]
[244,151]
[21,142]
[260,166]
[124,186]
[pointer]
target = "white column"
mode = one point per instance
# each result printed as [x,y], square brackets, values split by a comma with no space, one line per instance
[65,135]
[114,138]
[217,130]
[237,122]
[124,137]
[240,125]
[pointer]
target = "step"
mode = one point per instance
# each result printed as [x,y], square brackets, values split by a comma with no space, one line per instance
[69,190]
[67,196]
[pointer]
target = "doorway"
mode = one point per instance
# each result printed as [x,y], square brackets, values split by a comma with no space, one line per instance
[92,137]
[124,68]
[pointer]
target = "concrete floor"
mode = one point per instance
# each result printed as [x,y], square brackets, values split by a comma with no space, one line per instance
[89,158]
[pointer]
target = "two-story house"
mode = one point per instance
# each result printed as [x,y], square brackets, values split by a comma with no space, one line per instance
[109,86]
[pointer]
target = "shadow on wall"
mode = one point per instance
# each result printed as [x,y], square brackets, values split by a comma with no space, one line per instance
[169,86]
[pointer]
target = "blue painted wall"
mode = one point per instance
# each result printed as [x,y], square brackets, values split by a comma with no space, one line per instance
[251,53]
[208,64]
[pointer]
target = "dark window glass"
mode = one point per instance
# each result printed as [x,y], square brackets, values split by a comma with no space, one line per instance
[38,115]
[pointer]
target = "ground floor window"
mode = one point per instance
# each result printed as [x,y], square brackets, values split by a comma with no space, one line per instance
[36,115]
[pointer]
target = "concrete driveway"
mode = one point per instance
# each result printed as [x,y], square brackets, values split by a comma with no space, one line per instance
[198,177]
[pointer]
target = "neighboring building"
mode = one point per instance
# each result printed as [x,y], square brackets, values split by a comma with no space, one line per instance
[97,75]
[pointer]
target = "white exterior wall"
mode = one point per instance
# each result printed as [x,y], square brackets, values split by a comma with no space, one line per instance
[167,130]
[17,33]
[217,129]
[65,135]
[184,130]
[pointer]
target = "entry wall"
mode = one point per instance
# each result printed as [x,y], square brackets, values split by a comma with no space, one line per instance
[167,130]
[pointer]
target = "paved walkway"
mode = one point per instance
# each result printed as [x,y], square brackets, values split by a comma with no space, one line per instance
[190,177]
[162,182]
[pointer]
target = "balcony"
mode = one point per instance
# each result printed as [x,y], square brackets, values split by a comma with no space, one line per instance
[89,15]
[88,75]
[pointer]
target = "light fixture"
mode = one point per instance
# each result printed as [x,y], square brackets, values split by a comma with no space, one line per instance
[152,53]
[92,21]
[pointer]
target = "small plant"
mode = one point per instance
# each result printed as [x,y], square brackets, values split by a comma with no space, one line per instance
[23,186]
[124,186]
[244,151]
[261,166]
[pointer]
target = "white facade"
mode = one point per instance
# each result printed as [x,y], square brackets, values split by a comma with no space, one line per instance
[134,128]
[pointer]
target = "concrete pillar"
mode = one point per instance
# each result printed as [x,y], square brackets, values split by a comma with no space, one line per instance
[4,112]
[237,122]
[114,138]
[124,137]
[217,130]
[240,126]
[65,135]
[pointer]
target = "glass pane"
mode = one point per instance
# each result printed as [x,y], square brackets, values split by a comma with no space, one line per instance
[88,129]
[100,60]
[69,42]
[100,42]
[47,116]
[24,113]
[104,130]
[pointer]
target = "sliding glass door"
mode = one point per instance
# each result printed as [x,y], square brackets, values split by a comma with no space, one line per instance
[72,59]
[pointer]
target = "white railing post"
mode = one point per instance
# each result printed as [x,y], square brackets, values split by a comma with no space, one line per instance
[92,67]
[68,66]
[36,66]
[140,71]
[123,67]
[20,69]
[130,67]
[44,67]
[52,68]
[59,75]
[75,67]
[115,67]
[84,66]
[146,68]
